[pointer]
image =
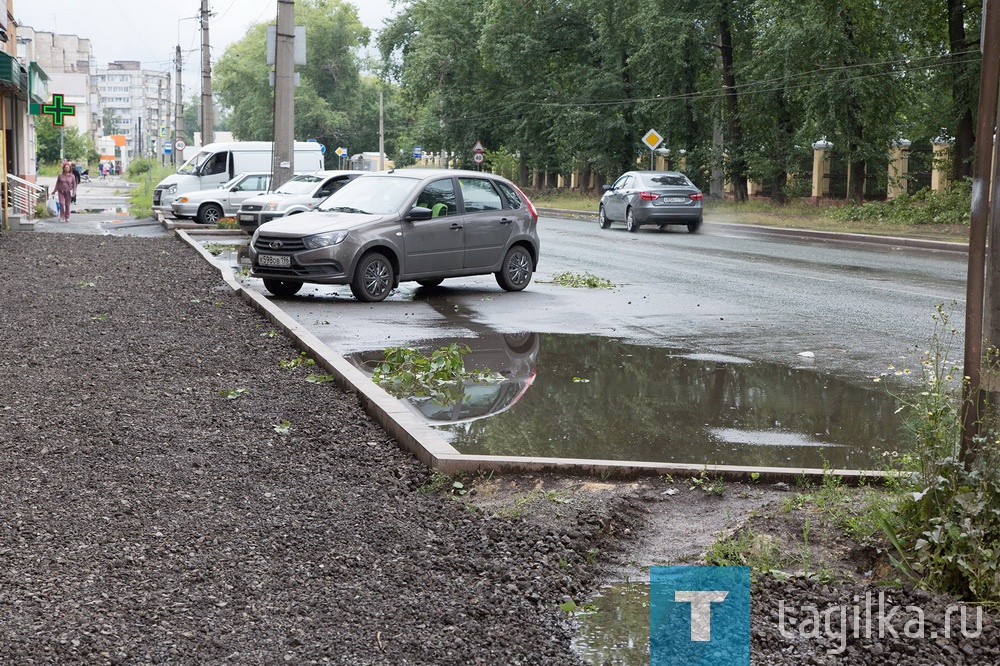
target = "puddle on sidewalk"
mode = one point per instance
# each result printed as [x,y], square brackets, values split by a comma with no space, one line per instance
[613,627]
[581,396]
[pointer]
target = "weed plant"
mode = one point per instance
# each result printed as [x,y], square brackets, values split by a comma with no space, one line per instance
[953,206]
[945,529]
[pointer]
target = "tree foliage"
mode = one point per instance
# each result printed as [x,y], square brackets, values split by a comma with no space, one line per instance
[559,86]
[64,142]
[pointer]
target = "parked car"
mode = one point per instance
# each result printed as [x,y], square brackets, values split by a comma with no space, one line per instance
[297,195]
[208,206]
[651,197]
[422,225]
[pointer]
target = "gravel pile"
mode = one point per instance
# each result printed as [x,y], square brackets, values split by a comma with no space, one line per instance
[172,494]
[175,489]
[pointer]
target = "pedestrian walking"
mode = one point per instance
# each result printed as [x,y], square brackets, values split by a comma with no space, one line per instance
[104,170]
[65,189]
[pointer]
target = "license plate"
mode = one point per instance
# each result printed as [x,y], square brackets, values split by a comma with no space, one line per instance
[274,260]
[246,218]
[675,200]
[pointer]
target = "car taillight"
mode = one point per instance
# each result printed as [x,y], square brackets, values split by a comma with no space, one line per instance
[648,196]
[531,206]
[697,196]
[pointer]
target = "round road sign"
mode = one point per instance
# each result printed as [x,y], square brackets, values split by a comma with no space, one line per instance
[477,158]
[180,144]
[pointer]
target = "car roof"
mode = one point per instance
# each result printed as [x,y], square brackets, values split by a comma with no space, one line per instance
[429,172]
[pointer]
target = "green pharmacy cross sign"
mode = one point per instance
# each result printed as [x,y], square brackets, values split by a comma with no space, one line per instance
[58,109]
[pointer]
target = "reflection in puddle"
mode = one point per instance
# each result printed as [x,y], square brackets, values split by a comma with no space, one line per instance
[578,396]
[613,628]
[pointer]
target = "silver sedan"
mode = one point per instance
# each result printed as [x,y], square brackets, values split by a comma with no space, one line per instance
[209,206]
[651,197]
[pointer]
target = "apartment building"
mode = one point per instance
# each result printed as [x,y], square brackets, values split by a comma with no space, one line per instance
[135,103]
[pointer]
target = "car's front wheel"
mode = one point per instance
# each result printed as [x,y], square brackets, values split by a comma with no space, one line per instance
[282,287]
[515,273]
[373,278]
[602,219]
[210,214]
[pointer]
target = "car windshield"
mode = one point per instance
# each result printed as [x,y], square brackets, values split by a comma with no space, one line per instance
[299,185]
[376,195]
[666,180]
[231,183]
[194,164]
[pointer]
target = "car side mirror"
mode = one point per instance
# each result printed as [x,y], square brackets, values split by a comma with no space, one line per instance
[418,213]
[323,194]
[607,187]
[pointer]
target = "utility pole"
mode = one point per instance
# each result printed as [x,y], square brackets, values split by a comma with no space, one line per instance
[178,109]
[207,112]
[381,133]
[974,404]
[159,121]
[283,157]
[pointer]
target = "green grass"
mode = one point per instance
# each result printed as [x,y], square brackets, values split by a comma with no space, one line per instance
[140,198]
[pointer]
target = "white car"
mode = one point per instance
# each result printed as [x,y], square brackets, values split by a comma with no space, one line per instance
[208,206]
[298,195]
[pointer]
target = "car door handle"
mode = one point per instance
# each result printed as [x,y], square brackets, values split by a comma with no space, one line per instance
[505,221]
[456,225]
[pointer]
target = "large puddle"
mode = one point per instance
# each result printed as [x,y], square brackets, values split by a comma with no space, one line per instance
[581,396]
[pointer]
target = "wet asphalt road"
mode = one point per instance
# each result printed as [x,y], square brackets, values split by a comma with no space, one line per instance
[857,307]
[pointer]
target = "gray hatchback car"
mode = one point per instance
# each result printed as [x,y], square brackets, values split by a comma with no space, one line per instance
[387,227]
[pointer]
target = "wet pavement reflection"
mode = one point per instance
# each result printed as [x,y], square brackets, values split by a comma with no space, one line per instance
[613,627]
[581,396]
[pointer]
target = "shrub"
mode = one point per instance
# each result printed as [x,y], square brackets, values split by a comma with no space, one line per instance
[952,206]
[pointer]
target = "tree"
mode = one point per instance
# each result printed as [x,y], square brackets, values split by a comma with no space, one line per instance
[64,142]
[330,90]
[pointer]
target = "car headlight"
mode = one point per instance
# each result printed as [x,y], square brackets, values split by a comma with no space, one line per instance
[253,239]
[271,205]
[170,189]
[324,240]
[182,200]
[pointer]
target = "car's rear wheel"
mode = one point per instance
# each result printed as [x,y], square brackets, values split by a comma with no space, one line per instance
[602,218]
[693,227]
[373,278]
[210,214]
[282,287]
[630,222]
[515,273]
[430,283]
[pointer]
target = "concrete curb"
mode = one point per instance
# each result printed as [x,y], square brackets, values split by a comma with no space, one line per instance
[433,450]
[834,236]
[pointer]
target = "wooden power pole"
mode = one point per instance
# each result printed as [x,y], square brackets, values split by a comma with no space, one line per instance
[974,403]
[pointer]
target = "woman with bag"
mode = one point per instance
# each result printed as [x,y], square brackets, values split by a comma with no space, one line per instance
[65,189]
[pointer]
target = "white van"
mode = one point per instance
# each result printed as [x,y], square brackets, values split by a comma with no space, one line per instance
[218,163]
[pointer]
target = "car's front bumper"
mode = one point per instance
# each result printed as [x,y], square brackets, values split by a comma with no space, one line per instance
[249,221]
[321,266]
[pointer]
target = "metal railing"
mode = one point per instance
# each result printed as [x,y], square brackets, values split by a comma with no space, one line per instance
[24,196]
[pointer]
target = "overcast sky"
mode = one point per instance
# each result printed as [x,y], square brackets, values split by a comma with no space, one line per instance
[150,30]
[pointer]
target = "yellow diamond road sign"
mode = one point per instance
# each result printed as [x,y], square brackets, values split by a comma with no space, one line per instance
[652,139]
